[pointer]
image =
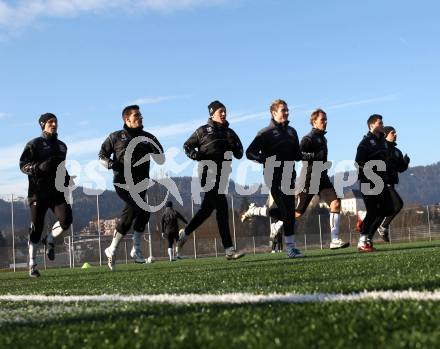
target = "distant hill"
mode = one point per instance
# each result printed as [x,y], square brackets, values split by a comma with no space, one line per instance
[418,185]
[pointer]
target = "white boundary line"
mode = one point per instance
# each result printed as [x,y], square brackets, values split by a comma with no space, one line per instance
[233,298]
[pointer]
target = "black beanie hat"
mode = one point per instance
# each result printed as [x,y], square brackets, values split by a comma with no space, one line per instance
[213,106]
[169,204]
[388,129]
[45,118]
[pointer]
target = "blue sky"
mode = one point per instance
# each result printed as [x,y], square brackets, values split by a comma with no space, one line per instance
[84,60]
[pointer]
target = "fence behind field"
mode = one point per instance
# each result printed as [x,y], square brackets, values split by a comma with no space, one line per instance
[87,245]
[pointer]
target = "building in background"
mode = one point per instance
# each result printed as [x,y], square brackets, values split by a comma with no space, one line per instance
[352,202]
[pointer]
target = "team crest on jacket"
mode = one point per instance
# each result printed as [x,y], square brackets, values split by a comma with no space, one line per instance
[123,137]
[372,141]
[209,129]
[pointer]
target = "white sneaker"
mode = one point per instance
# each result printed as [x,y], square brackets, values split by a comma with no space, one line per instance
[338,243]
[273,251]
[182,238]
[137,256]
[111,261]
[293,252]
[249,213]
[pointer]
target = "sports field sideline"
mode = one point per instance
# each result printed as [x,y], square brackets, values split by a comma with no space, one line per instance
[336,299]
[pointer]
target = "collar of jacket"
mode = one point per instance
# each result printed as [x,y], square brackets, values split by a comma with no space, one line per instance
[279,124]
[50,136]
[318,131]
[391,143]
[134,132]
[372,135]
[217,124]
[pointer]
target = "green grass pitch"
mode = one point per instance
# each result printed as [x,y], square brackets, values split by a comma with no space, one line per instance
[356,324]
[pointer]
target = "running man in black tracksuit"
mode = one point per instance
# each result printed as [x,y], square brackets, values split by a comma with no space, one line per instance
[214,142]
[112,156]
[373,147]
[170,228]
[279,142]
[397,163]
[314,148]
[40,160]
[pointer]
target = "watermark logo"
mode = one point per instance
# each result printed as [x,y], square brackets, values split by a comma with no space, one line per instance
[210,175]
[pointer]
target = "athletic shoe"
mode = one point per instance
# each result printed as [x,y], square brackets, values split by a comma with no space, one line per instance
[249,213]
[273,251]
[293,252]
[182,238]
[338,243]
[232,254]
[111,261]
[137,256]
[384,233]
[50,249]
[365,247]
[33,271]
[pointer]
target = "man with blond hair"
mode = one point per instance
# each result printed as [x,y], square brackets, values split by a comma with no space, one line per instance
[313,148]
[277,148]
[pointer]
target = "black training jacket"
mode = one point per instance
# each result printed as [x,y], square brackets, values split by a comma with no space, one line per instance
[113,151]
[314,148]
[372,148]
[40,160]
[210,142]
[169,221]
[277,139]
[396,163]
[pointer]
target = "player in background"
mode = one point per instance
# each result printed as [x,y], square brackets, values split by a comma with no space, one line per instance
[170,228]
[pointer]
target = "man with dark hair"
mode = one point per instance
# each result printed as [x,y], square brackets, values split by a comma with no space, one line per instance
[137,165]
[373,147]
[214,143]
[170,228]
[277,148]
[397,163]
[39,161]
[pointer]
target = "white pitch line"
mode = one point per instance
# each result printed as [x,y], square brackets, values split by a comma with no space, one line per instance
[233,298]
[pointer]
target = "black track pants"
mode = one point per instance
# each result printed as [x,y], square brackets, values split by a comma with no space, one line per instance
[213,201]
[61,210]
